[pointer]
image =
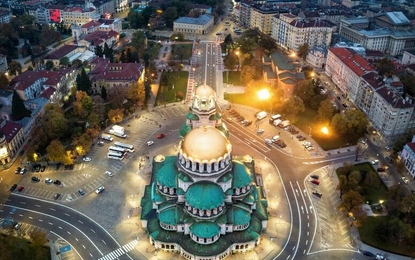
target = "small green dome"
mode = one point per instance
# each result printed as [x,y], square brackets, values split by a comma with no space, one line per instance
[242,176]
[184,129]
[205,195]
[205,229]
[192,116]
[169,216]
[240,216]
[215,116]
[166,174]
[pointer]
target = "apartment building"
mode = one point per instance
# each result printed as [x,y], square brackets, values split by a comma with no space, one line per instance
[392,32]
[79,16]
[11,140]
[291,31]
[261,17]
[408,157]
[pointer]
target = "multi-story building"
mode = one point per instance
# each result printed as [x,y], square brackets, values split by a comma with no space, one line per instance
[105,8]
[121,5]
[201,25]
[317,57]
[79,32]
[392,34]
[42,15]
[351,3]
[345,67]
[3,63]
[408,157]
[64,51]
[79,16]
[114,75]
[408,57]
[261,17]
[11,140]
[291,32]
[204,203]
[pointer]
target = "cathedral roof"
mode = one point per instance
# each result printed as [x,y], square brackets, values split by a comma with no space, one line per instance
[241,216]
[205,195]
[166,174]
[205,229]
[242,175]
[205,144]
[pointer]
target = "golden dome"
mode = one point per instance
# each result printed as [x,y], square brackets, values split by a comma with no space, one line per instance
[204,91]
[205,143]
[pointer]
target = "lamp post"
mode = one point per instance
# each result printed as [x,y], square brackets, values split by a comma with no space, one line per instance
[309,131]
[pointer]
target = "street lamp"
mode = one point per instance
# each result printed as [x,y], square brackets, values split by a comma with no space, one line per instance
[264,94]
[309,131]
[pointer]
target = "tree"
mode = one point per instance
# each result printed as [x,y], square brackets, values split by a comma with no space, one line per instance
[77,63]
[351,202]
[115,115]
[83,83]
[19,110]
[267,42]
[104,93]
[350,123]
[293,107]
[135,92]
[303,51]
[4,81]
[325,111]
[83,105]
[305,90]
[108,52]
[247,44]
[386,67]
[247,73]
[64,61]
[54,123]
[169,15]
[56,151]
[49,65]
[98,51]
[15,68]
[38,238]
[138,41]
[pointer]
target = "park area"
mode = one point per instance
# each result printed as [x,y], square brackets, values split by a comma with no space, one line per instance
[173,87]
[182,51]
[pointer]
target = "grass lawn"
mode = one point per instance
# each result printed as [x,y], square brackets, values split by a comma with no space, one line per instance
[367,230]
[177,48]
[375,192]
[234,78]
[243,99]
[153,49]
[167,94]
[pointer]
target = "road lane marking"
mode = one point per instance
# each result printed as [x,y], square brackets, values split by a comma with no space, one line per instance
[52,209]
[31,217]
[80,221]
[76,239]
[67,214]
[83,246]
[41,220]
[37,205]
[59,227]
[92,230]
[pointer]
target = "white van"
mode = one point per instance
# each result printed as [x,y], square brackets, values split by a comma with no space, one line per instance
[274,117]
[261,115]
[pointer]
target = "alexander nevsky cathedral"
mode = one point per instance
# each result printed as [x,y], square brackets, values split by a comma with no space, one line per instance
[204,201]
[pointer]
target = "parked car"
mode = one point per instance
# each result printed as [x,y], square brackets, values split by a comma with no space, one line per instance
[23,170]
[13,187]
[149,143]
[17,171]
[17,226]
[405,180]
[56,196]
[80,191]
[309,148]
[260,131]
[301,138]
[248,123]
[57,182]
[275,138]
[109,173]
[380,169]
[161,136]
[100,143]
[318,194]
[316,182]
[375,162]
[268,141]
[413,192]
[35,179]
[99,190]
[315,176]
[47,180]
[367,253]
[389,159]
[20,188]
[43,168]
[86,159]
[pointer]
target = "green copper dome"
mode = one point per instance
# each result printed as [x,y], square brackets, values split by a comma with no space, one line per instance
[205,195]
[184,129]
[242,176]
[166,174]
[192,116]
[240,216]
[205,229]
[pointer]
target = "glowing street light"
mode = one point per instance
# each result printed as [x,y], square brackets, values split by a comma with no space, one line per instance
[325,130]
[264,94]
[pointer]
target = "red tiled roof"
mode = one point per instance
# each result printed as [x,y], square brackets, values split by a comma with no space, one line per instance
[74,9]
[393,99]
[10,129]
[61,52]
[126,72]
[354,61]
[100,35]
[47,93]
[91,24]
[412,146]
[290,15]
[374,53]
[24,80]
[106,21]
[373,79]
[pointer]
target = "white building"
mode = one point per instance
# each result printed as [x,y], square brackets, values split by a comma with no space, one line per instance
[201,25]
[408,157]
[79,16]
[408,57]
[317,57]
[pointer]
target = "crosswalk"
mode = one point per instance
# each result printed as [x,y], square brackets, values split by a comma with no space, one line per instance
[120,251]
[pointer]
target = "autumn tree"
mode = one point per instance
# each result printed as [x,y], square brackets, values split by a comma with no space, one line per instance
[293,107]
[303,51]
[56,151]
[135,93]
[15,68]
[351,123]
[83,105]
[351,202]
[325,111]
[54,123]
[4,81]
[116,115]
[305,90]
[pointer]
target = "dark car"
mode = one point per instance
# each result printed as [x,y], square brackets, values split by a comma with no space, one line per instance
[20,188]
[13,187]
[380,169]
[318,194]
[248,123]
[35,179]
[81,192]
[389,159]
[315,176]
[57,182]
[367,253]
[37,168]
[56,196]
[316,182]
[42,169]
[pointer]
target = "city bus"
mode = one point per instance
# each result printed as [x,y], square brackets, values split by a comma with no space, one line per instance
[116,149]
[127,147]
[115,155]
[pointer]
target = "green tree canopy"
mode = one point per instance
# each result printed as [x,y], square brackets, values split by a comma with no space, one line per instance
[325,111]
[303,51]
[56,151]
[64,61]
[138,41]
[293,107]
[19,110]
[15,68]
[49,65]
[352,122]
